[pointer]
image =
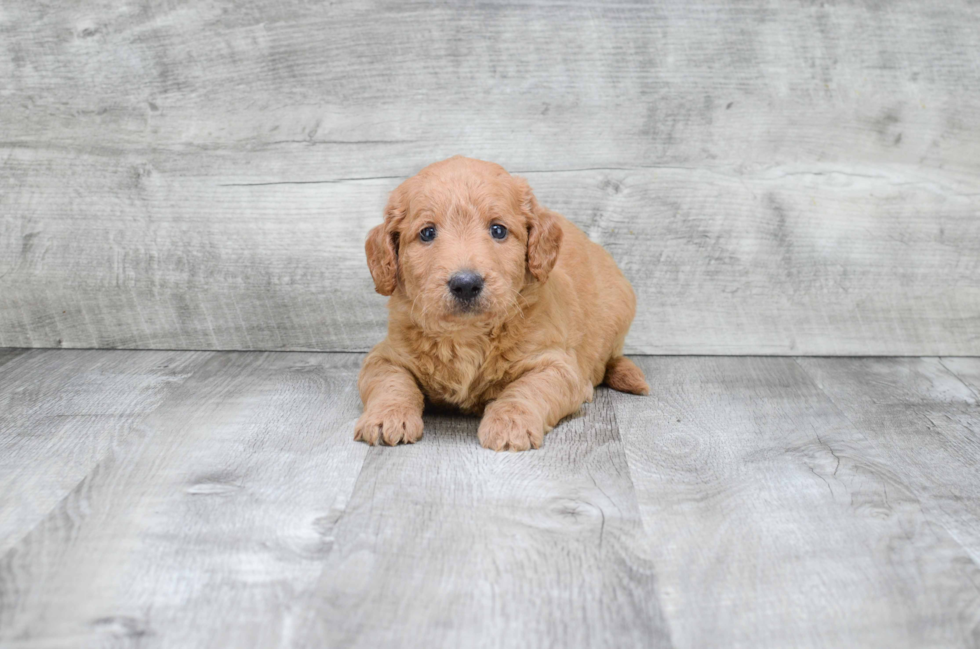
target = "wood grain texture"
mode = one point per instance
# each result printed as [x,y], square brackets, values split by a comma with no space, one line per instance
[445,544]
[223,519]
[775,521]
[7,355]
[924,416]
[201,527]
[187,499]
[61,413]
[775,179]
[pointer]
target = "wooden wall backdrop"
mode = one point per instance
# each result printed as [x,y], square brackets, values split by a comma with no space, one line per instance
[774,177]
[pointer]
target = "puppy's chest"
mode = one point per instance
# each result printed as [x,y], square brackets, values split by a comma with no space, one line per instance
[466,376]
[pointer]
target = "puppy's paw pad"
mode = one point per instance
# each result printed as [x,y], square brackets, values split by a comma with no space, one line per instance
[508,428]
[391,426]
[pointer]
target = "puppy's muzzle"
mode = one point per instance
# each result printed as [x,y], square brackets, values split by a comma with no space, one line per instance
[465,287]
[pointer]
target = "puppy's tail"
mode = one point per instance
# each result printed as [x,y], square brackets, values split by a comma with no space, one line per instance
[623,375]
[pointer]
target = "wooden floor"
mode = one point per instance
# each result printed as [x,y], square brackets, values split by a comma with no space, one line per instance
[216,499]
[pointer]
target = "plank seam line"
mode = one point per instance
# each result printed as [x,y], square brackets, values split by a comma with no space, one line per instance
[109,454]
[312,142]
[12,354]
[613,397]
[714,172]
[956,376]
[309,182]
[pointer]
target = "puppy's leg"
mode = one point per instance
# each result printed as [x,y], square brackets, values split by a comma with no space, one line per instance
[392,404]
[530,406]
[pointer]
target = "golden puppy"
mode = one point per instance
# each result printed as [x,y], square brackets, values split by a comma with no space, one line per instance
[498,305]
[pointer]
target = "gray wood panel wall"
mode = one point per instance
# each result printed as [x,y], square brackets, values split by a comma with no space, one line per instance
[774,178]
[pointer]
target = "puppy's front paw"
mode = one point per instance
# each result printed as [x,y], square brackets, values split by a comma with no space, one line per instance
[510,427]
[388,425]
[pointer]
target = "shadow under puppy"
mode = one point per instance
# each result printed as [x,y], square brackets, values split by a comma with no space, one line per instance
[498,306]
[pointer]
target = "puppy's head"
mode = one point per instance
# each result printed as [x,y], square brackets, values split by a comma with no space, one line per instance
[460,241]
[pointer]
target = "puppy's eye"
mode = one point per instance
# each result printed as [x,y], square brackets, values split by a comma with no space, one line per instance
[427,234]
[498,231]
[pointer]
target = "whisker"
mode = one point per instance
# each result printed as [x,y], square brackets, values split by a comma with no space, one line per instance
[516,303]
[411,313]
[520,295]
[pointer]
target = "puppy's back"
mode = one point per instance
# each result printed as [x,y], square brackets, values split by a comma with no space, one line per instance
[598,301]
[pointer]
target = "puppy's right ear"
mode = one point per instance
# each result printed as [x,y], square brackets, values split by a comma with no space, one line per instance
[381,246]
[381,259]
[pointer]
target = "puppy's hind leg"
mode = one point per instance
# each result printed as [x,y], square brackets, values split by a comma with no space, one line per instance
[623,375]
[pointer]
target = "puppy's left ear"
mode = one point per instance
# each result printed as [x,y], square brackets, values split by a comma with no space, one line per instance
[543,234]
[381,246]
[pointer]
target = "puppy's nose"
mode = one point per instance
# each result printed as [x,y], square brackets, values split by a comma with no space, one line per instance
[465,285]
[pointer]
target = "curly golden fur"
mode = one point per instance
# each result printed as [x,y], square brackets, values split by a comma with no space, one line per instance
[547,325]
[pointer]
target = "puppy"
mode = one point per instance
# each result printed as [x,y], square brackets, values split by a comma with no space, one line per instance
[498,307]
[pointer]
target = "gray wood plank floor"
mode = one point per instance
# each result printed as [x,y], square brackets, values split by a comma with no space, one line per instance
[775,520]
[202,499]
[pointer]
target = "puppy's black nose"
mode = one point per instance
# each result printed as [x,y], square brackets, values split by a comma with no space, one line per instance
[465,285]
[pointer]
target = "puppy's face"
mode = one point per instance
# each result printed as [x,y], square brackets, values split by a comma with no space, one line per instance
[462,246]
[460,241]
